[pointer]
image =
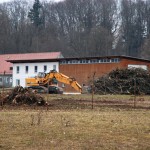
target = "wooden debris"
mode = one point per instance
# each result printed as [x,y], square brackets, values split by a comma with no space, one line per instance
[124,81]
[20,95]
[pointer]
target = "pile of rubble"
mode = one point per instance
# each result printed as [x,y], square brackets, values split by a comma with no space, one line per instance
[20,95]
[124,81]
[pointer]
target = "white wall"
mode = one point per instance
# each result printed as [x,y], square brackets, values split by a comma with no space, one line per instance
[137,66]
[22,71]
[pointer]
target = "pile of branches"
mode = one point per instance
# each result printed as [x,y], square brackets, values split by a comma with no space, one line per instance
[20,95]
[124,81]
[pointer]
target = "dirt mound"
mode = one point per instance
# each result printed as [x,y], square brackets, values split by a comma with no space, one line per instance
[124,81]
[20,95]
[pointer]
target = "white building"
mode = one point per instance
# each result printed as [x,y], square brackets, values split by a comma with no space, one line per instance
[29,64]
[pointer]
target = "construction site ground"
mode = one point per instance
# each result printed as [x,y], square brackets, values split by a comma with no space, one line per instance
[79,122]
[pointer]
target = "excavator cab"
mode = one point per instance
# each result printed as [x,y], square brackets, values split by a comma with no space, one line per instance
[41,75]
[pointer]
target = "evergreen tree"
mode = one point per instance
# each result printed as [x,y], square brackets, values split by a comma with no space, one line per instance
[35,14]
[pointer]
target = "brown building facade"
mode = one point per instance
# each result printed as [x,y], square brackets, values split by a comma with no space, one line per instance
[83,69]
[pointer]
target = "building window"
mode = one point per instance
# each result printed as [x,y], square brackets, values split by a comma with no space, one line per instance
[27,69]
[10,80]
[1,80]
[112,60]
[118,59]
[69,61]
[94,61]
[63,62]
[83,61]
[18,69]
[35,69]
[108,60]
[45,68]
[54,67]
[115,60]
[7,80]
[105,60]
[11,68]
[74,61]
[102,60]
[17,82]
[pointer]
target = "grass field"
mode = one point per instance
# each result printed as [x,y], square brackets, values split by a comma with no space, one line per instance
[69,123]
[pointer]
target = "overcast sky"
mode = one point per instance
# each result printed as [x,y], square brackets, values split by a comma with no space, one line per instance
[1,1]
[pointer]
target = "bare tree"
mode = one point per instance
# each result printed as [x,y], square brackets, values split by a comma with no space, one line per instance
[133,26]
[5,31]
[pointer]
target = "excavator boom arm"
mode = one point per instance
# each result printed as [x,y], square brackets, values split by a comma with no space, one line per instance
[65,79]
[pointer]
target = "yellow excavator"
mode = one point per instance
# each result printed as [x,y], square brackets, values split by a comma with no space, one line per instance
[46,79]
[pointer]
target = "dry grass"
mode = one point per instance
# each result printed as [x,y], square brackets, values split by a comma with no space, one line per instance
[75,128]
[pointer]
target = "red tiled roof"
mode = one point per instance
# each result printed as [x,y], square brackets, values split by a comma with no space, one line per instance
[35,56]
[5,66]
